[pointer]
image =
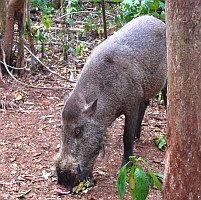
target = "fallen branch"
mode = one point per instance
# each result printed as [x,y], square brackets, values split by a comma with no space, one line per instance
[23,193]
[17,68]
[25,84]
[62,77]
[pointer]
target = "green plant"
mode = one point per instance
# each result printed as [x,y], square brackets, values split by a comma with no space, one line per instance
[46,21]
[160,141]
[130,9]
[73,6]
[79,48]
[159,97]
[45,6]
[139,181]
[88,23]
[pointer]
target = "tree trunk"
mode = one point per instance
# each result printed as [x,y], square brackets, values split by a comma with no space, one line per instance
[2,17]
[20,54]
[2,29]
[15,7]
[183,156]
[30,35]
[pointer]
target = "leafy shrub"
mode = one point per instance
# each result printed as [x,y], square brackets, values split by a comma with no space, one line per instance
[139,181]
[45,6]
[130,9]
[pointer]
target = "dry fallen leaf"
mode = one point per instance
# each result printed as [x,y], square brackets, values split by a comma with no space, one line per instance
[18,97]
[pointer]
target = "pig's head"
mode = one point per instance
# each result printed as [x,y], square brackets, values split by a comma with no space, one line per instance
[80,144]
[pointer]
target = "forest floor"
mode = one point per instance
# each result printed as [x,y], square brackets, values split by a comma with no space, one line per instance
[30,134]
[30,137]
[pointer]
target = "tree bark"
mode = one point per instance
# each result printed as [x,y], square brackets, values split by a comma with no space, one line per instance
[29,32]
[2,29]
[2,17]
[183,155]
[104,19]
[20,55]
[15,8]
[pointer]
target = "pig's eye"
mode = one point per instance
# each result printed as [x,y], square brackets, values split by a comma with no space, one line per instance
[78,132]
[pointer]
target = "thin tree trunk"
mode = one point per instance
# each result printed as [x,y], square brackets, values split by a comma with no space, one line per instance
[2,17]
[183,156]
[14,7]
[104,19]
[20,54]
[2,30]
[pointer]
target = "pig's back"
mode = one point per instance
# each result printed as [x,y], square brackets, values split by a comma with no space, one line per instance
[134,58]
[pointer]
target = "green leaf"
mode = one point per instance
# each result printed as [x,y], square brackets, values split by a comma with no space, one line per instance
[118,19]
[46,21]
[161,176]
[141,189]
[70,21]
[155,179]
[162,17]
[129,2]
[159,97]
[154,5]
[78,49]
[133,195]
[131,178]
[160,141]
[121,181]
[132,158]
[132,182]
[150,180]
[162,5]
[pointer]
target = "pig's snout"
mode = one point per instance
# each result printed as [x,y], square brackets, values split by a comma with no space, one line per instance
[66,178]
[67,170]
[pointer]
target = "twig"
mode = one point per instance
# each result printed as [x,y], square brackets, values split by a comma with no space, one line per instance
[1,77]
[104,19]
[18,68]
[46,66]
[71,13]
[31,86]
[84,11]
[23,194]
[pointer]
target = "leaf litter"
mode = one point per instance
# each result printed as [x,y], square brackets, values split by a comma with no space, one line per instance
[31,137]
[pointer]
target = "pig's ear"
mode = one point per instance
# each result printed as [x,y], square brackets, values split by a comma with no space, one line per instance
[90,108]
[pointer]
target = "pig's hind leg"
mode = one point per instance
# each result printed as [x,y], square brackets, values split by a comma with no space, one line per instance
[142,108]
[132,128]
[131,119]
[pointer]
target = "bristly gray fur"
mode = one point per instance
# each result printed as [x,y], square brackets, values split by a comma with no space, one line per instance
[129,66]
[122,72]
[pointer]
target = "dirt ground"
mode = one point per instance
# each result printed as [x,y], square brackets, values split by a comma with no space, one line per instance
[30,135]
